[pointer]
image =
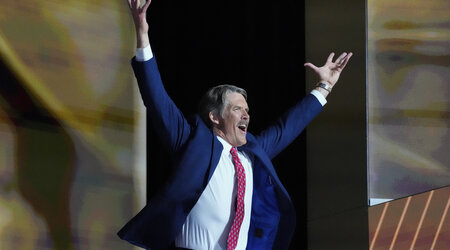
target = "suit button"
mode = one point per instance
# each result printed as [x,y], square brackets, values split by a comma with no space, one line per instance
[259,232]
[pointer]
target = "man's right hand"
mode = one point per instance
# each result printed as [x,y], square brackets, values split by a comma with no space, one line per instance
[140,21]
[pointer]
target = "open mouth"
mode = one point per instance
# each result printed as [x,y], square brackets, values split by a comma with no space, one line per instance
[243,127]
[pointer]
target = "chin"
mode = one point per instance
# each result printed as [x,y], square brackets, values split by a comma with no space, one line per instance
[242,143]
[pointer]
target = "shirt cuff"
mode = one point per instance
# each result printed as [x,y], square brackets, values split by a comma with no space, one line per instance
[144,54]
[319,97]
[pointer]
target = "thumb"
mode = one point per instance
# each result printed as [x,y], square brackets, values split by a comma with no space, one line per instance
[311,66]
[146,5]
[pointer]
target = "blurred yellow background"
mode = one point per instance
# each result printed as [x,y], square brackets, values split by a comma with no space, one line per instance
[72,125]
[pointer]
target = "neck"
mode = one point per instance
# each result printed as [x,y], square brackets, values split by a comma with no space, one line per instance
[220,134]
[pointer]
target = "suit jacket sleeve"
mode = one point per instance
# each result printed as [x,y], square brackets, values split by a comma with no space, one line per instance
[165,117]
[279,135]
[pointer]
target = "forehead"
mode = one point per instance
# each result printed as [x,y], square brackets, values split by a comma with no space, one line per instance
[236,99]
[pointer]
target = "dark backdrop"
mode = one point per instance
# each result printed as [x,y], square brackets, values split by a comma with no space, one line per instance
[257,45]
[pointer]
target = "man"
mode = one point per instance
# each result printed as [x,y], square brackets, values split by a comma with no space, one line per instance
[224,193]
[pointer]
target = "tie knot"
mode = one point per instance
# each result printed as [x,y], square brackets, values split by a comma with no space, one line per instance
[233,151]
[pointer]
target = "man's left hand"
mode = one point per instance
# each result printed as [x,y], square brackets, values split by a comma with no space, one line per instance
[330,72]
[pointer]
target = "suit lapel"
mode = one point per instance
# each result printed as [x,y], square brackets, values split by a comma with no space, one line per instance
[253,149]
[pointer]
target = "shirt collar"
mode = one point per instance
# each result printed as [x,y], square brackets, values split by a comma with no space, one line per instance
[226,146]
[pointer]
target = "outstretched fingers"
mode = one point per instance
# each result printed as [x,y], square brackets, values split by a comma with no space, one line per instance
[330,58]
[340,58]
[135,5]
[132,4]
[342,62]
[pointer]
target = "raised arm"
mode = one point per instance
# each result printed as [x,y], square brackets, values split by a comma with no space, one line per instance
[166,119]
[278,136]
[140,21]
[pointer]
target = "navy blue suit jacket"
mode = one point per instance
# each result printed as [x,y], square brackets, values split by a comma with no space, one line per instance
[196,152]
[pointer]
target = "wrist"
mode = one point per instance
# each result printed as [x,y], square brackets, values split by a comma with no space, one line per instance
[324,86]
[323,92]
[142,41]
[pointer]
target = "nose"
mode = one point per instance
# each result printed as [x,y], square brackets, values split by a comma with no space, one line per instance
[245,115]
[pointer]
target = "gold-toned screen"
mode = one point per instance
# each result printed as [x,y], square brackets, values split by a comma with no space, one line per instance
[72,126]
[408,97]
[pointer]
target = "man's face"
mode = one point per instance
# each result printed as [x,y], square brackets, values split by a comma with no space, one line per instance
[232,125]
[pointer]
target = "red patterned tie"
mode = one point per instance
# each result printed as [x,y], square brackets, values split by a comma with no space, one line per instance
[239,217]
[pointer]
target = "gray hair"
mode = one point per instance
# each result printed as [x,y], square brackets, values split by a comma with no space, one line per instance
[214,100]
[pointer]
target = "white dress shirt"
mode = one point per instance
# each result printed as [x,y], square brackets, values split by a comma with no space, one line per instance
[210,220]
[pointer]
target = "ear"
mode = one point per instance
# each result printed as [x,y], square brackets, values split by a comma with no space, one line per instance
[213,117]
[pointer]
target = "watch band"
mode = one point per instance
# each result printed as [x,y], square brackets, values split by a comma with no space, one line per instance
[324,86]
